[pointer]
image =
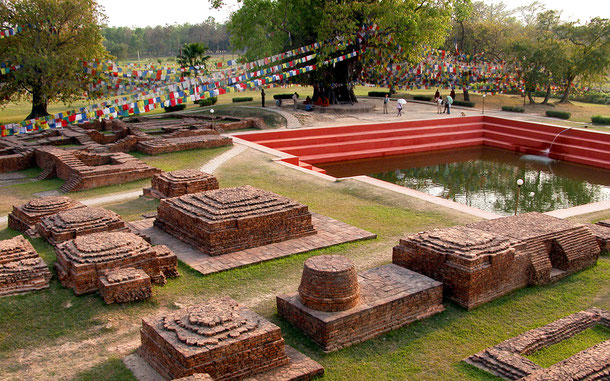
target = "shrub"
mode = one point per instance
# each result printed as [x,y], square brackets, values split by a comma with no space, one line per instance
[207,101]
[558,114]
[178,107]
[242,99]
[463,103]
[283,96]
[592,97]
[598,119]
[422,98]
[513,108]
[378,93]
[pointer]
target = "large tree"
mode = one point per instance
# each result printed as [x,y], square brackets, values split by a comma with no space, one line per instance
[193,54]
[57,36]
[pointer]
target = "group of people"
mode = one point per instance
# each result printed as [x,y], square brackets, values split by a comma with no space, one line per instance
[447,102]
[399,105]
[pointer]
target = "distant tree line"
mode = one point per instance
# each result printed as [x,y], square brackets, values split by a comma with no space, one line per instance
[164,41]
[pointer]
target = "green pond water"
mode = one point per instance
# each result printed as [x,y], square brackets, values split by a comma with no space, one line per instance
[485,178]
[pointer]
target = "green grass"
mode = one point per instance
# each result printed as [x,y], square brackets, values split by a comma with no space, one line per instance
[553,354]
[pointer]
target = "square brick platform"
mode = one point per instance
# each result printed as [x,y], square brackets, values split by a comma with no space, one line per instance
[124,285]
[390,297]
[21,268]
[330,232]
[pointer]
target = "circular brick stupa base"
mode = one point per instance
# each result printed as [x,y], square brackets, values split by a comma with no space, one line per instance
[329,283]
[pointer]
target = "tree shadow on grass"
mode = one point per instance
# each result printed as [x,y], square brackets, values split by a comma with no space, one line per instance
[111,369]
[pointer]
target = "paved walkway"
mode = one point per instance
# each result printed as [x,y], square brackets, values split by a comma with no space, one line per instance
[291,120]
[212,165]
[330,232]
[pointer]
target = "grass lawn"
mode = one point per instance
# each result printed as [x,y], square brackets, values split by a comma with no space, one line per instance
[53,334]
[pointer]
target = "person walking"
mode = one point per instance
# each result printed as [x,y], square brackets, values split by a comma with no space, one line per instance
[399,108]
[295,96]
[263,97]
[448,103]
[437,95]
[386,100]
[439,105]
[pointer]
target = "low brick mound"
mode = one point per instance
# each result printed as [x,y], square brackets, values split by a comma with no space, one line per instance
[231,219]
[21,268]
[220,337]
[165,145]
[81,261]
[124,285]
[602,235]
[86,170]
[483,261]
[15,159]
[25,217]
[387,298]
[179,183]
[506,359]
[605,223]
[73,223]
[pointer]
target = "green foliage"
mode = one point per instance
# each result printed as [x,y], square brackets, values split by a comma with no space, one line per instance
[598,119]
[422,98]
[178,107]
[513,108]
[599,98]
[463,103]
[378,93]
[207,101]
[193,54]
[558,114]
[283,96]
[242,99]
[57,36]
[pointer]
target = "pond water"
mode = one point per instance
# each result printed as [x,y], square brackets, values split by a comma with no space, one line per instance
[485,178]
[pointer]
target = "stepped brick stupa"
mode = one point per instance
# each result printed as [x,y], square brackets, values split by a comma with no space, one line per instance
[25,217]
[178,183]
[21,268]
[231,219]
[223,339]
[337,307]
[483,261]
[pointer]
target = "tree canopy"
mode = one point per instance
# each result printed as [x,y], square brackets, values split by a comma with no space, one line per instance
[193,54]
[56,36]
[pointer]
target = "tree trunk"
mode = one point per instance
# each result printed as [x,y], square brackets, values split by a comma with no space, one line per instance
[39,105]
[466,95]
[531,99]
[566,93]
[547,96]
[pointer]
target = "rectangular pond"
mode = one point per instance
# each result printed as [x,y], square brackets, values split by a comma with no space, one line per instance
[485,178]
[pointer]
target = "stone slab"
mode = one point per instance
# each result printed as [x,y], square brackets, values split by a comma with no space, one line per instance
[330,232]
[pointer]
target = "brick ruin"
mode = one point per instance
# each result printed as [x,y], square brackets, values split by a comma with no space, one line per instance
[338,308]
[231,219]
[483,261]
[507,359]
[178,183]
[72,223]
[85,170]
[601,232]
[15,158]
[221,338]
[124,285]
[83,262]
[25,217]
[181,143]
[21,268]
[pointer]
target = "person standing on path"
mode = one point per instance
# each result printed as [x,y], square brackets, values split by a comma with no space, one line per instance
[437,95]
[263,97]
[448,103]
[439,104]
[295,96]
[399,108]
[452,93]
[386,100]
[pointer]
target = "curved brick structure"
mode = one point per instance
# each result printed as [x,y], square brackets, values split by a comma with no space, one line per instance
[329,283]
[25,217]
[81,261]
[178,183]
[221,338]
[231,219]
[73,223]
[21,268]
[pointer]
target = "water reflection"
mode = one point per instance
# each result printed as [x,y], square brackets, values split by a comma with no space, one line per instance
[486,178]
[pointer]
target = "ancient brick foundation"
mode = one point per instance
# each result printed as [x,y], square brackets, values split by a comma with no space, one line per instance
[77,222]
[124,285]
[165,145]
[231,219]
[178,183]
[506,359]
[483,261]
[601,233]
[221,338]
[81,261]
[21,268]
[25,217]
[387,298]
[86,170]
[12,159]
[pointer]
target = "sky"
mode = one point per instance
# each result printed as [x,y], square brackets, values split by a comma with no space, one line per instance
[142,13]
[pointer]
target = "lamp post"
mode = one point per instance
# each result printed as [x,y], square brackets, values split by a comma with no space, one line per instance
[523,94]
[212,113]
[483,111]
[519,183]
